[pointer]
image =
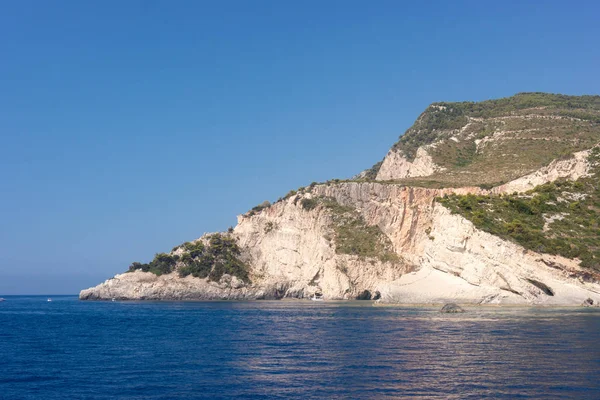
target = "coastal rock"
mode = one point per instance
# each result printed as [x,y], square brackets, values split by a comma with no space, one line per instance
[452,308]
[140,285]
[588,302]
[365,295]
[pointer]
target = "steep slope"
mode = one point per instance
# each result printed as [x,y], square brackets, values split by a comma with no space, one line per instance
[557,218]
[400,243]
[491,142]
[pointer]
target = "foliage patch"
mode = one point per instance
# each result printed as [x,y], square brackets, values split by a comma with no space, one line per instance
[219,256]
[352,235]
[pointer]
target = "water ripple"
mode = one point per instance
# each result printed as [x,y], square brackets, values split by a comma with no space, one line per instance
[129,350]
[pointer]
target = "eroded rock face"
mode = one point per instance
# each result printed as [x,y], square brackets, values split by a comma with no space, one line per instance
[287,243]
[396,166]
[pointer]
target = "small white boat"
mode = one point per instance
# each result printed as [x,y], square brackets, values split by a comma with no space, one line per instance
[317,297]
[2,299]
[49,299]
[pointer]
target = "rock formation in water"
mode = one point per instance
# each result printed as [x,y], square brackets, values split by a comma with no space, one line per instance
[490,202]
[452,308]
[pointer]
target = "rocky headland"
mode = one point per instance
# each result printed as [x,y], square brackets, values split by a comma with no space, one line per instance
[478,203]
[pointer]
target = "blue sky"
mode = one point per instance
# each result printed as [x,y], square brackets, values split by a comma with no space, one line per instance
[127,127]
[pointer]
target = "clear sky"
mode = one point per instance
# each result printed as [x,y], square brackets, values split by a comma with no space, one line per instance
[127,127]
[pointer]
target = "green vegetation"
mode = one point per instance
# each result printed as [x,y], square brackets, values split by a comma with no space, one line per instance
[352,235]
[259,208]
[161,264]
[561,218]
[523,101]
[219,256]
[446,116]
[309,204]
[290,194]
[439,116]
[269,226]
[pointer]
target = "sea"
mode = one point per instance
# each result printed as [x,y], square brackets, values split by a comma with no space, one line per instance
[71,349]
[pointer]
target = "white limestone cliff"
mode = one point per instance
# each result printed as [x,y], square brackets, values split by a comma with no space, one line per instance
[396,166]
[453,260]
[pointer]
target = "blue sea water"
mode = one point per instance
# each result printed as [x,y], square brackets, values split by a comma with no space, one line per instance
[67,349]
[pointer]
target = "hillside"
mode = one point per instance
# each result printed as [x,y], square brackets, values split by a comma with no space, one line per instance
[492,142]
[492,202]
[555,218]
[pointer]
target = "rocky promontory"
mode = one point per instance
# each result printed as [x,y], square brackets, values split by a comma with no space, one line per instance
[472,205]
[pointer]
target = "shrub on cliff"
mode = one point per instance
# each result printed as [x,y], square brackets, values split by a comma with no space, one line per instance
[218,257]
[258,208]
[161,264]
[309,204]
[200,267]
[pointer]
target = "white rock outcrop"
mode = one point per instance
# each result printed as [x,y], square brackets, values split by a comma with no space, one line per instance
[287,244]
[396,166]
[140,285]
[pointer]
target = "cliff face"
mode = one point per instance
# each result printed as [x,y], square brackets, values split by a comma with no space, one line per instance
[288,244]
[295,247]
[454,261]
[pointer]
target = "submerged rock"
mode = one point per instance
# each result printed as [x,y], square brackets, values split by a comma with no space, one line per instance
[588,302]
[452,308]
